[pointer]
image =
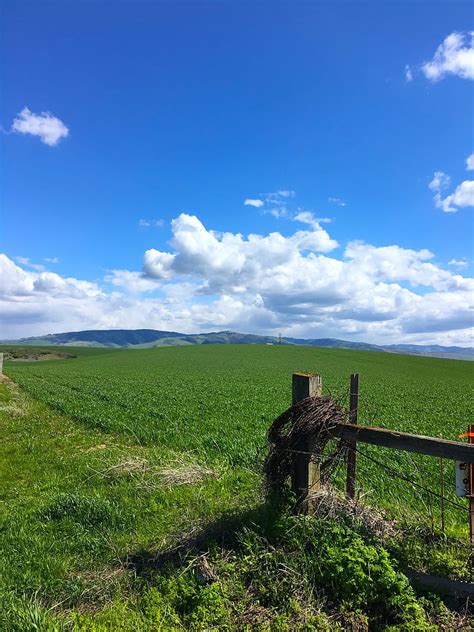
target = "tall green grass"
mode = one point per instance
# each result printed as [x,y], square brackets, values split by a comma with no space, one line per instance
[217,402]
[82,489]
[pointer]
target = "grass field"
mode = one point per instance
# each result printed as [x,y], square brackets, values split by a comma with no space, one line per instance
[116,455]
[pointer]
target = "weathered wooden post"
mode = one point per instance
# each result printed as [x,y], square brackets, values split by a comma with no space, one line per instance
[351,455]
[1,363]
[306,476]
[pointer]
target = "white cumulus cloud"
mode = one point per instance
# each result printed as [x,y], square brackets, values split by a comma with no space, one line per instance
[47,127]
[454,56]
[228,257]
[262,283]
[470,163]
[135,282]
[462,196]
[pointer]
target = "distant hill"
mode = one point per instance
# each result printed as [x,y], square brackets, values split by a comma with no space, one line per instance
[100,338]
[147,338]
[436,351]
[335,343]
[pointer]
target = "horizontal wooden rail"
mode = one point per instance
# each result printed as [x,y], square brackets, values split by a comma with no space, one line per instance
[405,441]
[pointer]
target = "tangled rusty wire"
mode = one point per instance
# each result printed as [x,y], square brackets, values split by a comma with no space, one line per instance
[311,417]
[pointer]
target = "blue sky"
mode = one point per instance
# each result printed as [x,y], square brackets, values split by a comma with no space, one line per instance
[193,107]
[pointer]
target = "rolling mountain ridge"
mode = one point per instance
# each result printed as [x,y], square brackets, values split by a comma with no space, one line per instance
[148,338]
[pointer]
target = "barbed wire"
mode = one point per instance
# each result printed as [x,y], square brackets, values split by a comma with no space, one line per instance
[407,479]
[397,474]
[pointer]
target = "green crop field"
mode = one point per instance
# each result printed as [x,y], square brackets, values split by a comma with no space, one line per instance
[116,455]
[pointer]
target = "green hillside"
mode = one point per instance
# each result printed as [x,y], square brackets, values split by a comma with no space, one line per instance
[150,338]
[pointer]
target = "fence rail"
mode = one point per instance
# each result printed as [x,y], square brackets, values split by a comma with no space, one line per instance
[306,469]
[383,437]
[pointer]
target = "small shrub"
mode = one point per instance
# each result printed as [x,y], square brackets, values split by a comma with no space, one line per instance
[182,602]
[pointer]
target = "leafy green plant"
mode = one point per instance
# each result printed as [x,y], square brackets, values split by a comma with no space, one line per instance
[307,555]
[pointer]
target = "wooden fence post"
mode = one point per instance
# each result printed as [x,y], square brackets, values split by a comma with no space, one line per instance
[351,455]
[306,475]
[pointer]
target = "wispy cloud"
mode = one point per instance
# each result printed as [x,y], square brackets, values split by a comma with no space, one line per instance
[47,127]
[470,163]
[408,73]
[307,217]
[51,259]
[454,56]
[279,204]
[440,181]
[276,196]
[458,263]
[254,202]
[151,223]
[278,213]
[336,200]
[24,261]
